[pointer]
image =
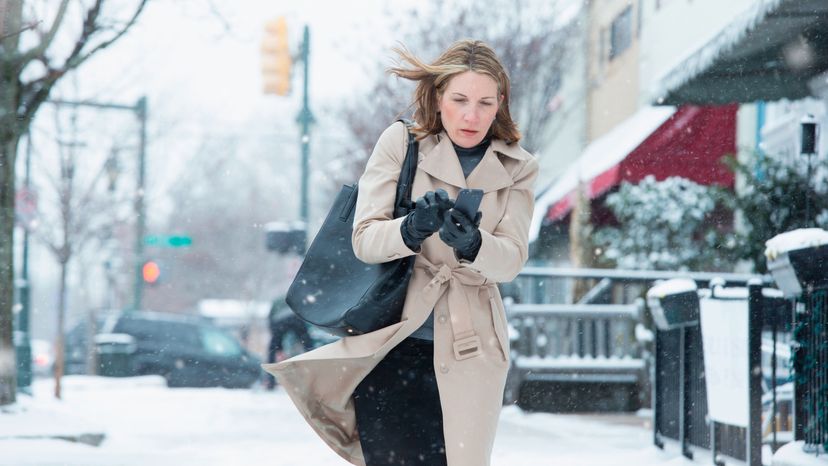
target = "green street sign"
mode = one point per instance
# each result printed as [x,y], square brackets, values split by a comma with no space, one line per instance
[168,241]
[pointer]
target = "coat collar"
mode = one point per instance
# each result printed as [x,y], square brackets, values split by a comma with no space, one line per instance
[441,162]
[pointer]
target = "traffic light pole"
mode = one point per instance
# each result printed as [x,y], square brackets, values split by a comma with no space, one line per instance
[305,120]
[140,206]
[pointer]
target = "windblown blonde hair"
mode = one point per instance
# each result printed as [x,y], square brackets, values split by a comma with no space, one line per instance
[432,79]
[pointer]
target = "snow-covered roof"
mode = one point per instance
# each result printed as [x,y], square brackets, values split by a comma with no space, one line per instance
[285,226]
[671,287]
[230,309]
[795,239]
[116,338]
[699,59]
[599,156]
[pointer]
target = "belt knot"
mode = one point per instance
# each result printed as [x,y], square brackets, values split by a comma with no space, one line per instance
[441,274]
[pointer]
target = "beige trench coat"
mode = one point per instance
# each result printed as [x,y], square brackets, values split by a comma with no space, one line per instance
[471,343]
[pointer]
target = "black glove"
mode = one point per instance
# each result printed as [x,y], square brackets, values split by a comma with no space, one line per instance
[426,218]
[462,233]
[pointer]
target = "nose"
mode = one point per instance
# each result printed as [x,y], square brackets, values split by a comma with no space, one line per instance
[470,116]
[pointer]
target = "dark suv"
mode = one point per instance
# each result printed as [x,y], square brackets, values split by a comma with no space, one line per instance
[187,351]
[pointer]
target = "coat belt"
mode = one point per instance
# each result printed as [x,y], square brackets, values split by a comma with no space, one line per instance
[466,342]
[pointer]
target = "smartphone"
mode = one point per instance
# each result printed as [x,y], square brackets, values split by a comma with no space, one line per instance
[468,201]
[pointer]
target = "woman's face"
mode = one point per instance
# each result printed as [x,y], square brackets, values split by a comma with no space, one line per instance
[468,107]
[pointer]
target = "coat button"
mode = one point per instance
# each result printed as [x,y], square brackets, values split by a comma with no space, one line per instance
[444,368]
[442,319]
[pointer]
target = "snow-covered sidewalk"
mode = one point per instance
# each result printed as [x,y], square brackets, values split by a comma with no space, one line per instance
[146,423]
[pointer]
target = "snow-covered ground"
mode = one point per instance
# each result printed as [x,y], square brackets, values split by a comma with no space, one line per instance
[148,424]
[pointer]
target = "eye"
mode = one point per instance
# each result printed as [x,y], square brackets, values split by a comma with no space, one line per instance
[459,100]
[486,103]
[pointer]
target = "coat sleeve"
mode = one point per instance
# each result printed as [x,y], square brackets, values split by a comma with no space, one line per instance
[504,251]
[376,236]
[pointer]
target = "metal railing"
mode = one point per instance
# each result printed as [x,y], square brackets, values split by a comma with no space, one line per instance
[680,395]
[811,377]
[593,341]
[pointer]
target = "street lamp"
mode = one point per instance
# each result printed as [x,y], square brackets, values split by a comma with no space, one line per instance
[808,147]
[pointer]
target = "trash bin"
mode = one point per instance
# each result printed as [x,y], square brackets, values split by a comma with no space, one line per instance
[115,352]
[674,304]
[798,259]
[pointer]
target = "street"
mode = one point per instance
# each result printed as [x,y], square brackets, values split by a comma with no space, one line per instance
[147,423]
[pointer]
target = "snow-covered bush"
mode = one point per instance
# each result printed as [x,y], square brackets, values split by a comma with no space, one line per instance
[676,224]
[666,225]
[773,200]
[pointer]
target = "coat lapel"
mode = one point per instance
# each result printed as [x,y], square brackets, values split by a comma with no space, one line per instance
[490,175]
[441,163]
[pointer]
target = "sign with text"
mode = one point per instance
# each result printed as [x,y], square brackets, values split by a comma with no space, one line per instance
[167,241]
[724,328]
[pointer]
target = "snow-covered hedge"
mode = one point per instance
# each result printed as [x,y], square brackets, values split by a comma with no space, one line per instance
[663,226]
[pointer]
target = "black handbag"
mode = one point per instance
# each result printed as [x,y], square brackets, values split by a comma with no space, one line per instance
[336,291]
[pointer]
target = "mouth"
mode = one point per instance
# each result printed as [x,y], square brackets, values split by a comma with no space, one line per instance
[468,132]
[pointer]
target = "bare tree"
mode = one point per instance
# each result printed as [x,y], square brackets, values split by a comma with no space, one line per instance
[83,211]
[223,201]
[27,77]
[527,36]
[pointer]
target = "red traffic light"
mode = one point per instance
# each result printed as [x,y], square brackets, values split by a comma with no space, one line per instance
[151,272]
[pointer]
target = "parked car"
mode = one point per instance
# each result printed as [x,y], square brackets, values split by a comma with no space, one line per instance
[187,351]
[291,335]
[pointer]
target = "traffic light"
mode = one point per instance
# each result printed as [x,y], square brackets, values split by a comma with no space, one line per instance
[151,272]
[276,61]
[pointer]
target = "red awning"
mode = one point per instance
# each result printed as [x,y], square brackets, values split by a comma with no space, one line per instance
[688,144]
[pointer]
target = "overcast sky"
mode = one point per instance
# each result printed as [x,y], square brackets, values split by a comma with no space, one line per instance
[207,52]
[198,63]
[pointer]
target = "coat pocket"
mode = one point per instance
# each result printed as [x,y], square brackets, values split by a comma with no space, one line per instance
[500,326]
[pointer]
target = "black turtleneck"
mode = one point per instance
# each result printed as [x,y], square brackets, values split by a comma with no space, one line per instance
[470,157]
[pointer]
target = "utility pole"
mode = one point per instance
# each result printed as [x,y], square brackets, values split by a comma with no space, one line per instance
[140,205]
[24,356]
[277,64]
[305,120]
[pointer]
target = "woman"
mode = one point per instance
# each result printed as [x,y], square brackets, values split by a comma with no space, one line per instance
[428,389]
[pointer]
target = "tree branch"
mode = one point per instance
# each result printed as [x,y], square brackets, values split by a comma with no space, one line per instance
[44,44]
[19,31]
[76,58]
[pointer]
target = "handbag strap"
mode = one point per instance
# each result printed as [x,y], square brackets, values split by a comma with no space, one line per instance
[402,203]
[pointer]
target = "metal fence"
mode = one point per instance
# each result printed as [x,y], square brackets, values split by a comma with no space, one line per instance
[679,392]
[809,361]
[589,342]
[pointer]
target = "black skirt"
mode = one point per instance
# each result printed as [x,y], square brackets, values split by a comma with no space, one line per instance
[398,413]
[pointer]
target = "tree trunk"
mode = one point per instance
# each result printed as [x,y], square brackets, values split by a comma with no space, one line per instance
[91,347]
[580,232]
[8,367]
[59,343]
[9,136]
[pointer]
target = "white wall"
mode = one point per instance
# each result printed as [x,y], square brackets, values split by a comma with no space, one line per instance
[781,133]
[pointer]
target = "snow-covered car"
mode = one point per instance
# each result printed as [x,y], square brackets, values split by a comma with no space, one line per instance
[187,351]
